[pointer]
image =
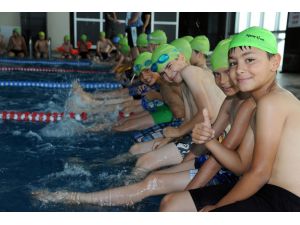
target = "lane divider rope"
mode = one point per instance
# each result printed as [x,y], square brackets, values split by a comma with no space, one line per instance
[59,85]
[46,117]
[52,70]
[46,62]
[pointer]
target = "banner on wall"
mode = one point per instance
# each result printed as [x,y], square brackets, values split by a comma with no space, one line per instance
[294,19]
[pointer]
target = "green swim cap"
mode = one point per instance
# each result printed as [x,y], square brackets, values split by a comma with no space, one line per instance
[200,44]
[120,36]
[17,30]
[143,61]
[183,47]
[257,37]
[123,41]
[83,37]
[158,37]
[142,40]
[41,34]
[189,38]
[219,57]
[67,38]
[102,34]
[125,49]
[162,55]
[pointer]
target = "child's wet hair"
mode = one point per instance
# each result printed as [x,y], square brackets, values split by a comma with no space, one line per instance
[269,55]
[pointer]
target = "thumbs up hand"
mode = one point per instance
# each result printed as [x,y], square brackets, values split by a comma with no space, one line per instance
[203,132]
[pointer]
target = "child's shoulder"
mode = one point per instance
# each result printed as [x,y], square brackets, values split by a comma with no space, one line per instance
[280,99]
[197,71]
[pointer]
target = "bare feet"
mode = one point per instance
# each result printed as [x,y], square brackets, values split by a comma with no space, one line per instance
[57,197]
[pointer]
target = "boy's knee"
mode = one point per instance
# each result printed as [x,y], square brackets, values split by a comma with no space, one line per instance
[135,149]
[166,203]
[143,161]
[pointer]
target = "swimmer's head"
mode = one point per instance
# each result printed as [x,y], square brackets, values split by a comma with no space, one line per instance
[67,38]
[184,47]
[83,37]
[189,38]
[142,40]
[41,35]
[219,57]
[116,40]
[120,36]
[17,30]
[162,55]
[158,37]
[253,53]
[125,49]
[102,34]
[123,41]
[200,44]
[257,37]
[143,61]
[220,67]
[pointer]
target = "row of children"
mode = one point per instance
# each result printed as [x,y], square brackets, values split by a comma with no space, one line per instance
[252,168]
[17,47]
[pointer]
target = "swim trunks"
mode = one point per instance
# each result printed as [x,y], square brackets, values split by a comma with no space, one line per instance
[162,114]
[223,176]
[151,106]
[184,145]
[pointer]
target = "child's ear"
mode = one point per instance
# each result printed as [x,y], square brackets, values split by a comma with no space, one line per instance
[275,62]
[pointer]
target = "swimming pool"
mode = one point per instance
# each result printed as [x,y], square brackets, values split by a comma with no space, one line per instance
[38,155]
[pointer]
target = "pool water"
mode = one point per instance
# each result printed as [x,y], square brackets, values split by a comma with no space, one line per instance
[50,156]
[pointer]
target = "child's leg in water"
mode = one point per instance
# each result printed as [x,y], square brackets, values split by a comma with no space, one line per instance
[132,117]
[88,97]
[120,93]
[140,123]
[154,184]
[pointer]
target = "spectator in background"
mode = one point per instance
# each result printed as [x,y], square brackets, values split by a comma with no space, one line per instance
[111,22]
[134,27]
[84,47]
[41,46]
[146,18]
[104,47]
[16,44]
[2,45]
[66,49]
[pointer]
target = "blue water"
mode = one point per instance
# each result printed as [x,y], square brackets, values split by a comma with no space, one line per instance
[38,156]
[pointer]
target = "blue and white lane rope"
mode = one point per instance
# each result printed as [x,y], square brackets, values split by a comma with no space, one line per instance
[46,62]
[59,85]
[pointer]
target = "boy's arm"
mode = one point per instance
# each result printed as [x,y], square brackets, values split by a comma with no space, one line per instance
[147,20]
[134,17]
[269,124]
[122,58]
[240,124]
[235,161]
[223,117]
[204,174]
[210,167]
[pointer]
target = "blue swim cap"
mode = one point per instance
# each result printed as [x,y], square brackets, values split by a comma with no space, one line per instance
[116,40]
